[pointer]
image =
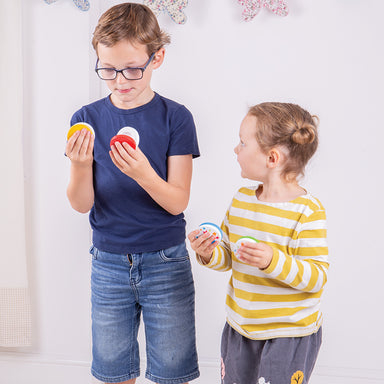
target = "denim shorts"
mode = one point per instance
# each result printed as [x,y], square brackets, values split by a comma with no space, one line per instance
[159,285]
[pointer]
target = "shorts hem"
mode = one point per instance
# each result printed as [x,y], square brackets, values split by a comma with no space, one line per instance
[115,379]
[180,380]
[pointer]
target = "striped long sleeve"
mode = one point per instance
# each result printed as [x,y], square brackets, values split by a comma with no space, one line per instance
[282,300]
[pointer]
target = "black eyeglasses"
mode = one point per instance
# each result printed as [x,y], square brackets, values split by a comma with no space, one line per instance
[128,73]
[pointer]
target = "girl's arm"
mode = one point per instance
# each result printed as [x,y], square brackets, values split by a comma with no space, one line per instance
[306,268]
[172,194]
[211,253]
[80,191]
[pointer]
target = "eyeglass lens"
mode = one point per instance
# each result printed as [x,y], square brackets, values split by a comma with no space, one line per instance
[129,73]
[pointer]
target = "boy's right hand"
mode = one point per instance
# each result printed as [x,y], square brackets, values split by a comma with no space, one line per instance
[79,147]
[203,244]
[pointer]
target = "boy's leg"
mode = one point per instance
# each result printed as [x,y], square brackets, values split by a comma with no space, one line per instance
[115,319]
[133,381]
[167,297]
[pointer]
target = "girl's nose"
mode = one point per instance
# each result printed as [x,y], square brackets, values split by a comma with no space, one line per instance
[236,149]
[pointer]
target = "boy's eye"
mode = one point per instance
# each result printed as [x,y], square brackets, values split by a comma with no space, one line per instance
[242,143]
[107,72]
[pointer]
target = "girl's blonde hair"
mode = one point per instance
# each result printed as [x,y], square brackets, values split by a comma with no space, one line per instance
[291,127]
[133,22]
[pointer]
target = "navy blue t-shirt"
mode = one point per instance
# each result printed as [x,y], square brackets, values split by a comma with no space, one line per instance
[124,218]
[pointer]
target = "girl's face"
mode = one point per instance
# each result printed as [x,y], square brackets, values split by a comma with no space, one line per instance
[127,94]
[252,160]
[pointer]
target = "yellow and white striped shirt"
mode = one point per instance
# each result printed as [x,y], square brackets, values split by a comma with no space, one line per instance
[282,300]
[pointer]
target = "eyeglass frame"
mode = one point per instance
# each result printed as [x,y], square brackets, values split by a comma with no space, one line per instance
[142,69]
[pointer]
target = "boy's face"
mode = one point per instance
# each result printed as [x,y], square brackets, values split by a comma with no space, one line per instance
[128,94]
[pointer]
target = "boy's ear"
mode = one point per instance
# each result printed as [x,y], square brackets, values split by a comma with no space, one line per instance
[159,58]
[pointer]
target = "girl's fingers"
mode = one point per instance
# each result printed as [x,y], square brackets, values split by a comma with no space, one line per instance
[192,235]
[203,244]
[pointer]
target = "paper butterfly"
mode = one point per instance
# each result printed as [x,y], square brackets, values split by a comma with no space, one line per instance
[173,7]
[81,4]
[253,7]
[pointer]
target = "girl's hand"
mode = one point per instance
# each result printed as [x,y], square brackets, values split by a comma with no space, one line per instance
[256,254]
[131,162]
[79,148]
[203,245]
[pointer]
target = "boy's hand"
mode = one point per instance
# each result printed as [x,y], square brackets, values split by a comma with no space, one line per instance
[79,148]
[131,162]
[256,254]
[203,245]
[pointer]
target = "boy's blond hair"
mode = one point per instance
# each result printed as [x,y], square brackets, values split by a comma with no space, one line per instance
[133,22]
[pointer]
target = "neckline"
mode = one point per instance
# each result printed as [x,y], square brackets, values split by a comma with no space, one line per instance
[110,105]
[304,195]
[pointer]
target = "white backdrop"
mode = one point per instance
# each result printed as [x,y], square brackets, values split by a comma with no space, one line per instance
[15,316]
[326,56]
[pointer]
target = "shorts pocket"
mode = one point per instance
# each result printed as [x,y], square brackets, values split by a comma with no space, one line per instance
[94,252]
[176,253]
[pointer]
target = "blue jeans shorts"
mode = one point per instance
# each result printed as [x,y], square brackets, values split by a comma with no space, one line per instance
[159,285]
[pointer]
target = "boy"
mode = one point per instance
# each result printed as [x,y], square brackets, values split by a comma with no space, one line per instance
[136,198]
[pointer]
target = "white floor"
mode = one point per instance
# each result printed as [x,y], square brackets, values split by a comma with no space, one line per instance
[22,371]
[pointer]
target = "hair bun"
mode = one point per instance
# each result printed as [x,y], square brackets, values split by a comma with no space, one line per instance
[305,134]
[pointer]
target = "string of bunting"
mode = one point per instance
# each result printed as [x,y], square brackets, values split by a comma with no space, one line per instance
[253,7]
[175,8]
[83,5]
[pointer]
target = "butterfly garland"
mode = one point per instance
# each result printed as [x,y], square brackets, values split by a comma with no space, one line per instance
[253,7]
[83,5]
[174,8]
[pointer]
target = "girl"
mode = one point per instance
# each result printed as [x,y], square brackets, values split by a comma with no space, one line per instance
[273,328]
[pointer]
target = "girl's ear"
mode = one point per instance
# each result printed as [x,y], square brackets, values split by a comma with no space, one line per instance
[159,58]
[274,158]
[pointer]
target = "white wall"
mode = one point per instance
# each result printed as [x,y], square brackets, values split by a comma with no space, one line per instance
[326,56]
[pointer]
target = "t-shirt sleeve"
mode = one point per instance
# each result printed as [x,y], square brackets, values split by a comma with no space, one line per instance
[77,117]
[183,138]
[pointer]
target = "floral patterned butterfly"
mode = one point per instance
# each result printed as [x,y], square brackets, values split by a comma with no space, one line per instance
[81,4]
[253,7]
[173,7]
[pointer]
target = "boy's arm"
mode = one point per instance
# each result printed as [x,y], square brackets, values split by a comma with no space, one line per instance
[171,194]
[80,190]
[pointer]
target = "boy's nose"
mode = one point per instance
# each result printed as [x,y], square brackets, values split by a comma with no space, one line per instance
[120,78]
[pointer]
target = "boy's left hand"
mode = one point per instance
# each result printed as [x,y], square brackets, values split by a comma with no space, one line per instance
[131,162]
[256,254]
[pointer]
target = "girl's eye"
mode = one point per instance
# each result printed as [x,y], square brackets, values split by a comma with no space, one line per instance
[242,143]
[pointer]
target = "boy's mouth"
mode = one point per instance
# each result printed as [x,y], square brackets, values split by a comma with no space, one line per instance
[124,91]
